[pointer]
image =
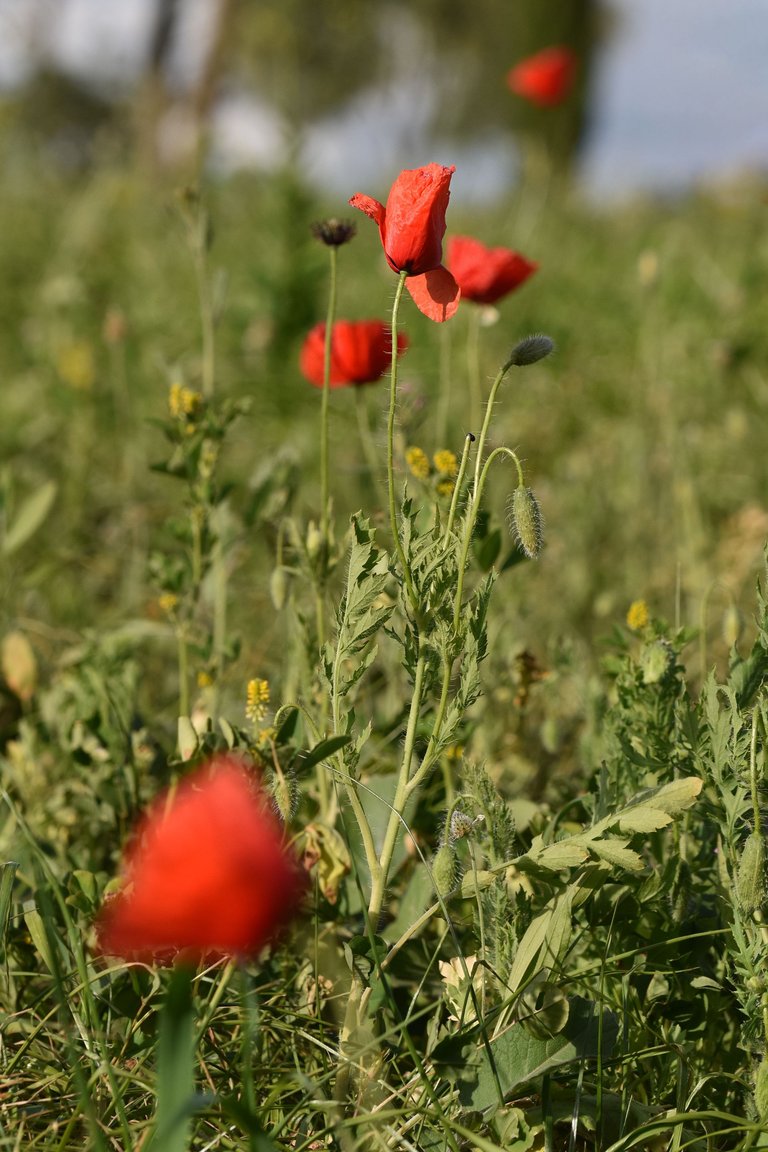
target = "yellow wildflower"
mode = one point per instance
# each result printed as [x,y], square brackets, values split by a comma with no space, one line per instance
[418,462]
[168,602]
[256,700]
[183,401]
[204,679]
[76,366]
[638,615]
[446,463]
[445,487]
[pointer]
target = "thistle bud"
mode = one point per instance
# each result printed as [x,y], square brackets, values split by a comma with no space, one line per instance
[750,878]
[525,521]
[444,869]
[530,350]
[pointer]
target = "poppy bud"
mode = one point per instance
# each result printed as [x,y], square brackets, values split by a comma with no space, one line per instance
[525,521]
[530,350]
[444,870]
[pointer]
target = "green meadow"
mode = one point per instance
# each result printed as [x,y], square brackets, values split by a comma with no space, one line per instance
[530,818]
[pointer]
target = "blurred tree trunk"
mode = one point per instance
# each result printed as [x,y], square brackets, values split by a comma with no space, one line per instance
[552,137]
[192,108]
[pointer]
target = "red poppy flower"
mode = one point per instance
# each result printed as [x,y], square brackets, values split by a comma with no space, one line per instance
[486,274]
[412,226]
[546,78]
[208,874]
[361,352]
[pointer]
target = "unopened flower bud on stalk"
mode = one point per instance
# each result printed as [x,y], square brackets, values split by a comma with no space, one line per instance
[531,349]
[525,521]
[444,869]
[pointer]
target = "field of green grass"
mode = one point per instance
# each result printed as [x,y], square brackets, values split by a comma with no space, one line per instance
[578,960]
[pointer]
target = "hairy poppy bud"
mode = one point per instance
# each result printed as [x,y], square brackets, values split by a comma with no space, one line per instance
[530,350]
[525,521]
[444,869]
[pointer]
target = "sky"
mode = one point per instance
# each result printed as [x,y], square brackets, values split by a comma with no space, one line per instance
[681,95]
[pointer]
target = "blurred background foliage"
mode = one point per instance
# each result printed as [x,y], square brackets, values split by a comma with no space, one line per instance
[642,436]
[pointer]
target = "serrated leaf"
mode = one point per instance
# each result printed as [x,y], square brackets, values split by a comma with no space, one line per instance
[563,854]
[30,517]
[616,853]
[644,819]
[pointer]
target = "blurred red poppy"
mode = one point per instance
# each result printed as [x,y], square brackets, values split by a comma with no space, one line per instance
[207,875]
[361,352]
[545,79]
[486,274]
[412,226]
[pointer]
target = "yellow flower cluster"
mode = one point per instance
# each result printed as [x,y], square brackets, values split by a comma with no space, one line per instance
[183,401]
[418,462]
[168,602]
[257,700]
[445,462]
[638,615]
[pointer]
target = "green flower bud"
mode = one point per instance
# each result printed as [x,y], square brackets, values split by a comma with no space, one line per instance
[750,878]
[656,660]
[531,349]
[525,521]
[278,588]
[444,870]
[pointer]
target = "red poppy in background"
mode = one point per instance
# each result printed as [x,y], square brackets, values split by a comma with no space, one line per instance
[486,274]
[545,79]
[361,352]
[412,226]
[208,874]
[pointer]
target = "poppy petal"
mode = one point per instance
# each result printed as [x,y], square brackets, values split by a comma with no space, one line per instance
[435,293]
[370,206]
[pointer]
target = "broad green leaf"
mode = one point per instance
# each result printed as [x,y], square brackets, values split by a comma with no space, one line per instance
[520,1057]
[30,517]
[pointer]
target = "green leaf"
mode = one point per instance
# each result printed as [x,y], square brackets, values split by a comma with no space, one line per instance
[520,1057]
[30,517]
[544,942]
[7,875]
[176,1099]
[615,852]
[323,751]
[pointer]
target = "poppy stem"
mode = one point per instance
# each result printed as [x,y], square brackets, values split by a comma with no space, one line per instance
[473,368]
[391,444]
[333,251]
[473,503]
